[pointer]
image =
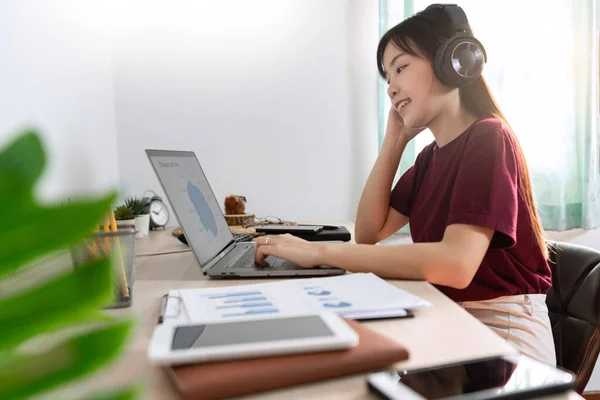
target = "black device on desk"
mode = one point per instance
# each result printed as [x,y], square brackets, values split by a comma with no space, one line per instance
[312,233]
[494,378]
[279,229]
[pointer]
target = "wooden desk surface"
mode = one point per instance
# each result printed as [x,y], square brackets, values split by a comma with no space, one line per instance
[159,242]
[438,334]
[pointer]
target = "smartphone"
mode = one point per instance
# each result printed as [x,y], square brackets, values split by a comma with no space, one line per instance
[232,340]
[495,378]
[278,229]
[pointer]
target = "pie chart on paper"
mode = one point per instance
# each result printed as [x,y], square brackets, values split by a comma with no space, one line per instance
[336,304]
[318,292]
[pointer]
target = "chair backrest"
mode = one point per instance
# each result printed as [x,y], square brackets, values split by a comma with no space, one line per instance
[574,308]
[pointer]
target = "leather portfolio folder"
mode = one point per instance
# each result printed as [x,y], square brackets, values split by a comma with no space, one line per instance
[224,379]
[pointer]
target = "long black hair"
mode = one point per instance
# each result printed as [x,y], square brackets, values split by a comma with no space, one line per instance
[427,30]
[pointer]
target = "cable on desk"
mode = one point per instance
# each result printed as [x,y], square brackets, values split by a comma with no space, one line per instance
[164,252]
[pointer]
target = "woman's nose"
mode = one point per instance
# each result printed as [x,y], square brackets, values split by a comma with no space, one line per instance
[392,90]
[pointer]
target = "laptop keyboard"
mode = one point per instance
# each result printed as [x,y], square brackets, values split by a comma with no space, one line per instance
[242,237]
[247,261]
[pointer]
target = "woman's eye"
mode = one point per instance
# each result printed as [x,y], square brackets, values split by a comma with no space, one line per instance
[399,69]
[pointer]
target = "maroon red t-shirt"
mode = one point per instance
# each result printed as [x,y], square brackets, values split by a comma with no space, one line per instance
[475,179]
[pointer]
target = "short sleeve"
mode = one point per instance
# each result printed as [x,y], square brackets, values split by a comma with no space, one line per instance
[407,186]
[485,192]
[402,194]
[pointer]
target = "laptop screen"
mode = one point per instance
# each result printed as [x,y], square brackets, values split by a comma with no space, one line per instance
[193,202]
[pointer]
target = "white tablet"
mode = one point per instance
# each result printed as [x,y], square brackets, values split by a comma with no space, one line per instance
[225,340]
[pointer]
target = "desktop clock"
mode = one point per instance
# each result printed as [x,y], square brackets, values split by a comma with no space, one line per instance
[159,213]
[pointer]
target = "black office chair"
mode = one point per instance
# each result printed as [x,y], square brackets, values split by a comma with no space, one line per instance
[574,308]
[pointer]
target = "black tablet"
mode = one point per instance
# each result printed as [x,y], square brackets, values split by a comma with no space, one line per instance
[505,377]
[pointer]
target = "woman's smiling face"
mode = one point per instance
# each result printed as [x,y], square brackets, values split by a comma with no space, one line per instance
[414,89]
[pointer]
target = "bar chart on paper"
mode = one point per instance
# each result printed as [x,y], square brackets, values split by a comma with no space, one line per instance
[356,296]
[239,304]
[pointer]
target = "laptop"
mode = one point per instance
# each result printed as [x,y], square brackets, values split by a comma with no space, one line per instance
[205,228]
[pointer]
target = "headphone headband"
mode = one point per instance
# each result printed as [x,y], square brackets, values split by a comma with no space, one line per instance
[457,16]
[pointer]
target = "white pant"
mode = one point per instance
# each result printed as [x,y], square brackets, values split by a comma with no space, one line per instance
[521,320]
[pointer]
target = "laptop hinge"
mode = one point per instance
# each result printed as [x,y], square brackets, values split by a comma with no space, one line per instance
[219,256]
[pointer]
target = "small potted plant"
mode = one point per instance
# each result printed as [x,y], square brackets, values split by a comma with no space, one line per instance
[124,216]
[142,215]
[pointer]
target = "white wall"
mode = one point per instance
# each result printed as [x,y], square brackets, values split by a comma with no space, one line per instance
[277,98]
[55,75]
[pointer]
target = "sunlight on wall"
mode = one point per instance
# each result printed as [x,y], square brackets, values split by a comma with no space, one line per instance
[212,23]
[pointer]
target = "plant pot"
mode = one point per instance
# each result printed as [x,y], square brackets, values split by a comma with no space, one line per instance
[126,222]
[142,224]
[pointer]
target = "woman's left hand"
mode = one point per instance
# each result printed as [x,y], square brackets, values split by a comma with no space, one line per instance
[292,248]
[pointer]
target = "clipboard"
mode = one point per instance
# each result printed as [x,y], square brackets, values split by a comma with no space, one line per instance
[361,297]
[173,309]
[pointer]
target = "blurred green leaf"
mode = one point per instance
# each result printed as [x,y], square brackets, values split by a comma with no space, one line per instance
[30,231]
[72,298]
[22,162]
[33,232]
[128,393]
[80,355]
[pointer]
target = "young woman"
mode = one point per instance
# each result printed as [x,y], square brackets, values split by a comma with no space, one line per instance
[476,232]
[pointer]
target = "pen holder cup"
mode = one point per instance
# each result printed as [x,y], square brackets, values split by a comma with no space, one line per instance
[120,247]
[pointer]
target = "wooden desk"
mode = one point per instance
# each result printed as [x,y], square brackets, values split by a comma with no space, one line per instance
[439,334]
[159,242]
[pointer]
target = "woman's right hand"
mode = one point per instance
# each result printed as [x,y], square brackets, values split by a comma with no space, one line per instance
[396,128]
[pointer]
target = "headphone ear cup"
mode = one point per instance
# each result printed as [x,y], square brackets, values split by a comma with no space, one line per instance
[440,70]
[460,60]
